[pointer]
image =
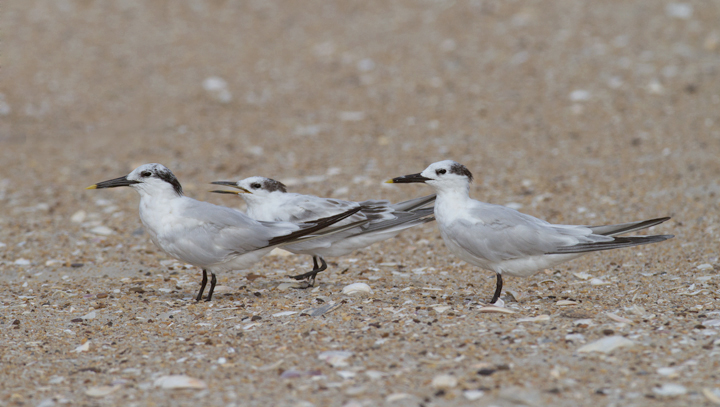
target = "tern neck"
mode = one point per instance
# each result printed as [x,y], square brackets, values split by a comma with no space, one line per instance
[456,193]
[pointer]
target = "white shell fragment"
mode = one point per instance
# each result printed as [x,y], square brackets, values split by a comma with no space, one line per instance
[335,358]
[705,266]
[566,302]
[90,315]
[179,382]
[396,397]
[82,348]
[284,313]
[597,281]
[607,344]
[473,394]
[670,390]
[279,252]
[618,318]
[102,231]
[494,309]
[582,276]
[217,88]
[78,217]
[712,396]
[539,318]
[102,391]
[357,288]
[444,381]
[441,308]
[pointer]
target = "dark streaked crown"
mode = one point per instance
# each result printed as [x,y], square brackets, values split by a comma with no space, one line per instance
[271,185]
[460,169]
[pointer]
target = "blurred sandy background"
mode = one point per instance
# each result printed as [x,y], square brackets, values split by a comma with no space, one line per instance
[573,111]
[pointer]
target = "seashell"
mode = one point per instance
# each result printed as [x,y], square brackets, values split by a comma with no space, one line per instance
[357,288]
[539,318]
[566,302]
[396,397]
[618,318]
[473,394]
[335,358]
[102,230]
[582,276]
[444,381]
[441,308]
[102,391]
[712,396]
[284,313]
[179,382]
[607,344]
[82,348]
[670,390]
[492,308]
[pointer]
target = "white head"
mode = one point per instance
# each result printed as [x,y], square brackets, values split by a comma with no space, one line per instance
[254,189]
[444,176]
[150,179]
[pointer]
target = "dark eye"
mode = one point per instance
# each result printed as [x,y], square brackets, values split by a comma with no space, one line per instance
[145,174]
[440,171]
[255,185]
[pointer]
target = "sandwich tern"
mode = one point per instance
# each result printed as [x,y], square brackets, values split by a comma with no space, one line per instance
[212,237]
[268,200]
[506,241]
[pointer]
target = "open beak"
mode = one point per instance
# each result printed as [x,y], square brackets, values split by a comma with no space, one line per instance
[231,184]
[407,179]
[114,183]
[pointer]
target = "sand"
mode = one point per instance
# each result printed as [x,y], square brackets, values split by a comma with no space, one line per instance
[573,111]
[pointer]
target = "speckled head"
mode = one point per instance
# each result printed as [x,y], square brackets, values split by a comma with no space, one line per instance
[442,175]
[146,178]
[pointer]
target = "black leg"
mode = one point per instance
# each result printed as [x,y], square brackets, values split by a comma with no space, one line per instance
[323,267]
[498,289]
[202,286]
[310,275]
[213,281]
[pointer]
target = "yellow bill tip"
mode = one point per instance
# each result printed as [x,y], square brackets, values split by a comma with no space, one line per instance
[389,181]
[94,186]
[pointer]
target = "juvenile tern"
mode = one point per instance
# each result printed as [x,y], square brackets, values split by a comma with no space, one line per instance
[268,200]
[506,241]
[212,237]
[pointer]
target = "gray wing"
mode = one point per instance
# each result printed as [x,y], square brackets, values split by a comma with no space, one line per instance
[414,203]
[498,233]
[304,208]
[207,233]
[612,230]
